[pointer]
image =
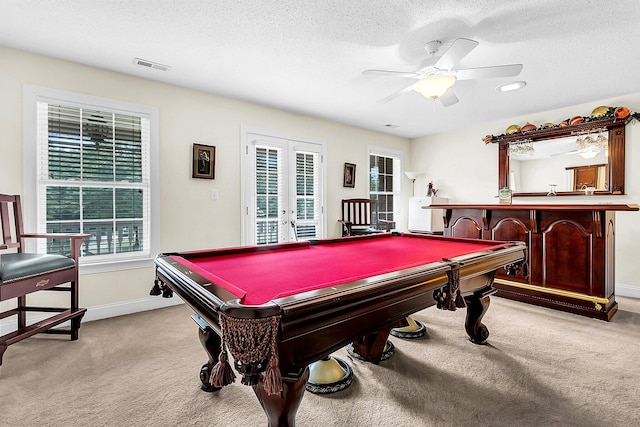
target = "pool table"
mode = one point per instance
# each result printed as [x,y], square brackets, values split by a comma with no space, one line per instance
[279,308]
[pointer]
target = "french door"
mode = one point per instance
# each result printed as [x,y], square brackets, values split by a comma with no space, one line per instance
[283,189]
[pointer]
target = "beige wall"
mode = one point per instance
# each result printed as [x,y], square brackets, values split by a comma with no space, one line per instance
[459,163]
[189,218]
[466,171]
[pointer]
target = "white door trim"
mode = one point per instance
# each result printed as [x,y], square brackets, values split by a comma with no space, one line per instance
[246,174]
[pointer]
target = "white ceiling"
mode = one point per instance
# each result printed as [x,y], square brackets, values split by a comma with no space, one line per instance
[308,56]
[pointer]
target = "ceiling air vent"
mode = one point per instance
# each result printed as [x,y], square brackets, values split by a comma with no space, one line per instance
[151,64]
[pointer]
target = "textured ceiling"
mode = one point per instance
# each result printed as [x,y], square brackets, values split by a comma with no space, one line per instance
[308,56]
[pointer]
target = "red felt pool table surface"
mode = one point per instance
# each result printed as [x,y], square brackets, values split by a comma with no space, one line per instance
[259,277]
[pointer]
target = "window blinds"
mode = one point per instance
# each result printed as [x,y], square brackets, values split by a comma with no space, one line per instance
[308,203]
[381,184]
[269,194]
[94,177]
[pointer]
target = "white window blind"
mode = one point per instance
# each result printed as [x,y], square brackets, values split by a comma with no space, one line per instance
[383,178]
[269,195]
[308,204]
[93,176]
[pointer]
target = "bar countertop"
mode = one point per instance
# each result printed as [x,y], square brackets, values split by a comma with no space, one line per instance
[538,207]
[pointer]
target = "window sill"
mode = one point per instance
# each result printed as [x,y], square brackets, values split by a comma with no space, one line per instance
[119,265]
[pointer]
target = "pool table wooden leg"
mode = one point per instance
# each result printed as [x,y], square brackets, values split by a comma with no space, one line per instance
[3,348]
[212,343]
[281,408]
[371,346]
[477,306]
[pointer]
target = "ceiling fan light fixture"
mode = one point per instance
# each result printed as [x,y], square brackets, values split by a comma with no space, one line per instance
[434,86]
[589,152]
[509,87]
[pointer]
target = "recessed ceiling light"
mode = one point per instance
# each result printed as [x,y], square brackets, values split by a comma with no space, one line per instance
[508,87]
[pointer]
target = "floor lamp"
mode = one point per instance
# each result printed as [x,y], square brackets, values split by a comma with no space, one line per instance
[413,176]
[413,328]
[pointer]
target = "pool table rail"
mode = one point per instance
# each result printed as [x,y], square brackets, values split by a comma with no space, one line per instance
[477,263]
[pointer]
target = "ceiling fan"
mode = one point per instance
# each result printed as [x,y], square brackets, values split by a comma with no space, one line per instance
[435,80]
[576,151]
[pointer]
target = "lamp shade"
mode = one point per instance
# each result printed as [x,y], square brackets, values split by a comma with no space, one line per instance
[412,175]
[434,86]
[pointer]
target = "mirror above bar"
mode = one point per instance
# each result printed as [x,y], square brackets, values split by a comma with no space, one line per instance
[551,161]
[559,165]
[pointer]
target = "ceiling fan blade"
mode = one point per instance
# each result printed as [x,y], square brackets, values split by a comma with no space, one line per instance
[562,154]
[449,98]
[396,94]
[458,50]
[391,73]
[489,72]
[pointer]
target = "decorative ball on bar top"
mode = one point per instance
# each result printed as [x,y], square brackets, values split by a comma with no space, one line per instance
[598,114]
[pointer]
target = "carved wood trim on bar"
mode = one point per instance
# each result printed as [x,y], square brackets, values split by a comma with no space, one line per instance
[485,219]
[597,222]
[533,214]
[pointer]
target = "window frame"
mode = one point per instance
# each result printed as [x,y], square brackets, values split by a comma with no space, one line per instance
[397,175]
[32,95]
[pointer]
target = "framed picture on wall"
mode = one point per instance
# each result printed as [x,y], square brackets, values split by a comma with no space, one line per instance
[204,161]
[349,175]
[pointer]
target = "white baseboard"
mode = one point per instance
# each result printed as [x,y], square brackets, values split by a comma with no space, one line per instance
[129,307]
[627,291]
[104,311]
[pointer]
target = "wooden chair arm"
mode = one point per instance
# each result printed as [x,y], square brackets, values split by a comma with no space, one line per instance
[76,240]
[56,235]
[346,227]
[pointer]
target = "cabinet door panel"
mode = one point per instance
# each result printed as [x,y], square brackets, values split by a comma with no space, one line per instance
[466,227]
[566,257]
[510,229]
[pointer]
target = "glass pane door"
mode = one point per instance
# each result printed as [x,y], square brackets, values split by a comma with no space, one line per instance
[269,202]
[283,196]
[308,210]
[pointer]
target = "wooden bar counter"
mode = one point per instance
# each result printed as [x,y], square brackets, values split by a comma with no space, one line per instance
[571,251]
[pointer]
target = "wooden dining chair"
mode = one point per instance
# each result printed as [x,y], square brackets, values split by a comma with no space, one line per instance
[22,273]
[361,216]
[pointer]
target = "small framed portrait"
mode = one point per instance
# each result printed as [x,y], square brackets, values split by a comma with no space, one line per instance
[349,175]
[204,161]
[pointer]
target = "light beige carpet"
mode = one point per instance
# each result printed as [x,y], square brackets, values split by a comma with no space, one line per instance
[542,368]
